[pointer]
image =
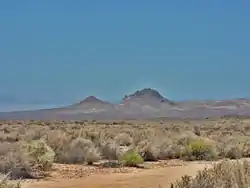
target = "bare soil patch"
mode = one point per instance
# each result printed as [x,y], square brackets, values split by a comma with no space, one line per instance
[159,175]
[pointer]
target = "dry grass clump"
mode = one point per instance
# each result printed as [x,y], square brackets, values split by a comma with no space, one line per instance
[5,183]
[38,154]
[110,150]
[124,139]
[148,150]
[171,150]
[59,141]
[79,150]
[234,146]
[226,174]
[27,159]
[16,166]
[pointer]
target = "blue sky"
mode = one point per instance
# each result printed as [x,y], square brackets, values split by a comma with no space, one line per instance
[58,52]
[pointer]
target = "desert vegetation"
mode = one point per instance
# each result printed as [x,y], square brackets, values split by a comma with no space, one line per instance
[28,149]
[226,174]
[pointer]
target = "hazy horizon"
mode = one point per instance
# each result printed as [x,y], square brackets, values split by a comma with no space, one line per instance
[54,53]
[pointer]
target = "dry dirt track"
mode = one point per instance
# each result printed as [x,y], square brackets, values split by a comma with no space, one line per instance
[150,178]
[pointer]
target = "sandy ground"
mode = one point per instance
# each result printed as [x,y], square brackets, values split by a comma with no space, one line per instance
[146,178]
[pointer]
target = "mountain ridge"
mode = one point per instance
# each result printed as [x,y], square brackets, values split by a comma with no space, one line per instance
[144,103]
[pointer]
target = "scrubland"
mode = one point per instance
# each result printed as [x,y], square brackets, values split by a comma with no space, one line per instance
[28,149]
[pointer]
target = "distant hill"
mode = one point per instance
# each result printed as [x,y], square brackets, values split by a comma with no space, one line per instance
[146,96]
[145,103]
[89,105]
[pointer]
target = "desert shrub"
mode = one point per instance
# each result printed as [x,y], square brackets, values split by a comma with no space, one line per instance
[197,130]
[38,154]
[19,165]
[171,151]
[234,147]
[123,139]
[226,174]
[131,158]
[9,137]
[79,151]
[148,150]
[36,133]
[198,149]
[246,149]
[6,147]
[185,138]
[144,133]
[10,161]
[110,150]
[6,183]
[233,152]
[92,135]
[58,140]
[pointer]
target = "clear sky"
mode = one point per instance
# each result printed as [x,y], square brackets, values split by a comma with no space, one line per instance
[58,52]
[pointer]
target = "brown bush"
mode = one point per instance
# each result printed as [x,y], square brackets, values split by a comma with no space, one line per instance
[148,150]
[124,139]
[226,174]
[5,183]
[110,150]
[171,150]
[59,141]
[27,159]
[79,150]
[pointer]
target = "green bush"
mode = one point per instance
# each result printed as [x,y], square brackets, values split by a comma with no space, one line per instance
[198,149]
[131,158]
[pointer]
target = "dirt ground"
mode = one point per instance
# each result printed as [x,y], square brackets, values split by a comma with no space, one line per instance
[143,178]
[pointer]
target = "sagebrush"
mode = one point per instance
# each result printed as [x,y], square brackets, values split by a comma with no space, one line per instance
[227,174]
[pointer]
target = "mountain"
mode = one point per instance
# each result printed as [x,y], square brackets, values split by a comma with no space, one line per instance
[147,102]
[144,103]
[90,104]
[147,95]
[92,99]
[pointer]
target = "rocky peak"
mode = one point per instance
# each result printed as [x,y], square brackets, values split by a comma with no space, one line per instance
[91,99]
[146,93]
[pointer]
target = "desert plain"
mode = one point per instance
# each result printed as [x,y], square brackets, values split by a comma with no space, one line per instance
[211,152]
